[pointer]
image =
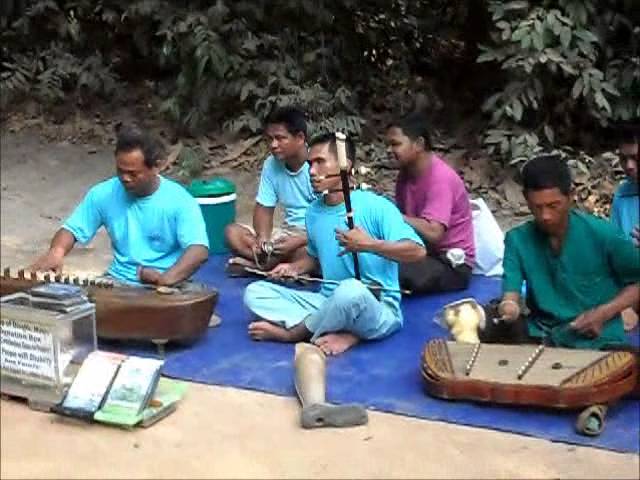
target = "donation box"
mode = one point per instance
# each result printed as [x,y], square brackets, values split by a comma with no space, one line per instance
[43,341]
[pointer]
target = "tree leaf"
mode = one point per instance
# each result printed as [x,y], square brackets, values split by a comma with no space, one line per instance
[548,132]
[565,37]
[553,55]
[587,36]
[486,57]
[519,34]
[610,88]
[602,102]
[537,24]
[517,110]
[577,88]
[516,5]
[538,42]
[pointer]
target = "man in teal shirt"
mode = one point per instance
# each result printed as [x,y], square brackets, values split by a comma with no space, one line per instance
[625,209]
[581,272]
[156,227]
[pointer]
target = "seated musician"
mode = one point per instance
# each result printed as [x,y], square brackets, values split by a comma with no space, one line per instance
[156,227]
[435,202]
[339,315]
[581,272]
[625,209]
[284,180]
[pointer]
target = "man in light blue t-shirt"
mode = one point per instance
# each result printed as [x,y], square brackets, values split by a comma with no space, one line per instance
[625,209]
[284,181]
[156,227]
[346,310]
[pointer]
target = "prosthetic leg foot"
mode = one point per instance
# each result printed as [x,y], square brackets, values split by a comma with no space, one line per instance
[310,386]
[591,421]
[325,415]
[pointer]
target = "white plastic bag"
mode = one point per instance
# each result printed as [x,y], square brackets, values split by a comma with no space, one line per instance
[489,240]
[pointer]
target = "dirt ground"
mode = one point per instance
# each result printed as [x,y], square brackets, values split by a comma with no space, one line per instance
[222,432]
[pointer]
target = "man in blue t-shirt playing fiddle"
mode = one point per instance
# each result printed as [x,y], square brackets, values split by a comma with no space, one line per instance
[345,311]
[285,181]
[157,231]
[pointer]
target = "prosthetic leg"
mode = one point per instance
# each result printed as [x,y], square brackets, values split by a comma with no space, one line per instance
[310,385]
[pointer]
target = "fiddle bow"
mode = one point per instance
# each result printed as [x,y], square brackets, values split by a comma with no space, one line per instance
[343,164]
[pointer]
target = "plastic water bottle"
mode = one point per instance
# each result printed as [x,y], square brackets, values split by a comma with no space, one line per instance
[456,257]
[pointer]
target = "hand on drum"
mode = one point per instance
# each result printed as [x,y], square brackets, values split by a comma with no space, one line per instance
[48,262]
[589,323]
[149,275]
[509,310]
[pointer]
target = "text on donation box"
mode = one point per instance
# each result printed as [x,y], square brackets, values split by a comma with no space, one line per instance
[27,351]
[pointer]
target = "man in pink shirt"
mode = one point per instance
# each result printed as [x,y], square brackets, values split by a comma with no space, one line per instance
[434,201]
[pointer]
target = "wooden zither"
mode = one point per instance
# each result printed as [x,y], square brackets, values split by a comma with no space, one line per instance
[131,313]
[526,374]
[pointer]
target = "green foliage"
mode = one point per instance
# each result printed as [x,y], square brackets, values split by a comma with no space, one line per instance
[568,65]
[565,66]
[191,161]
[57,63]
[226,63]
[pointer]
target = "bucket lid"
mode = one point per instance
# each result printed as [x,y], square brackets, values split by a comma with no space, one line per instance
[214,187]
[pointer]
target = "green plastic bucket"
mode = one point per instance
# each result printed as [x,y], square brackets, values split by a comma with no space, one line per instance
[217,199]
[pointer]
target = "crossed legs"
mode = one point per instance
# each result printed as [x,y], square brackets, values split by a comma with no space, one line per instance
[242,240]
[335,323]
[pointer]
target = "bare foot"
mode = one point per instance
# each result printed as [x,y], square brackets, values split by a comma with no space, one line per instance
[268,331]
[236,267]
[336,343]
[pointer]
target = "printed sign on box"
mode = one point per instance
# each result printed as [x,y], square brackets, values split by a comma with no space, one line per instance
[27,351]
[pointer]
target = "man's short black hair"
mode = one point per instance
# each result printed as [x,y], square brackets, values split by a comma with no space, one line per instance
[628,135]
[330,138]
[131,137]
[414,126]
[545,172]
[291,117]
